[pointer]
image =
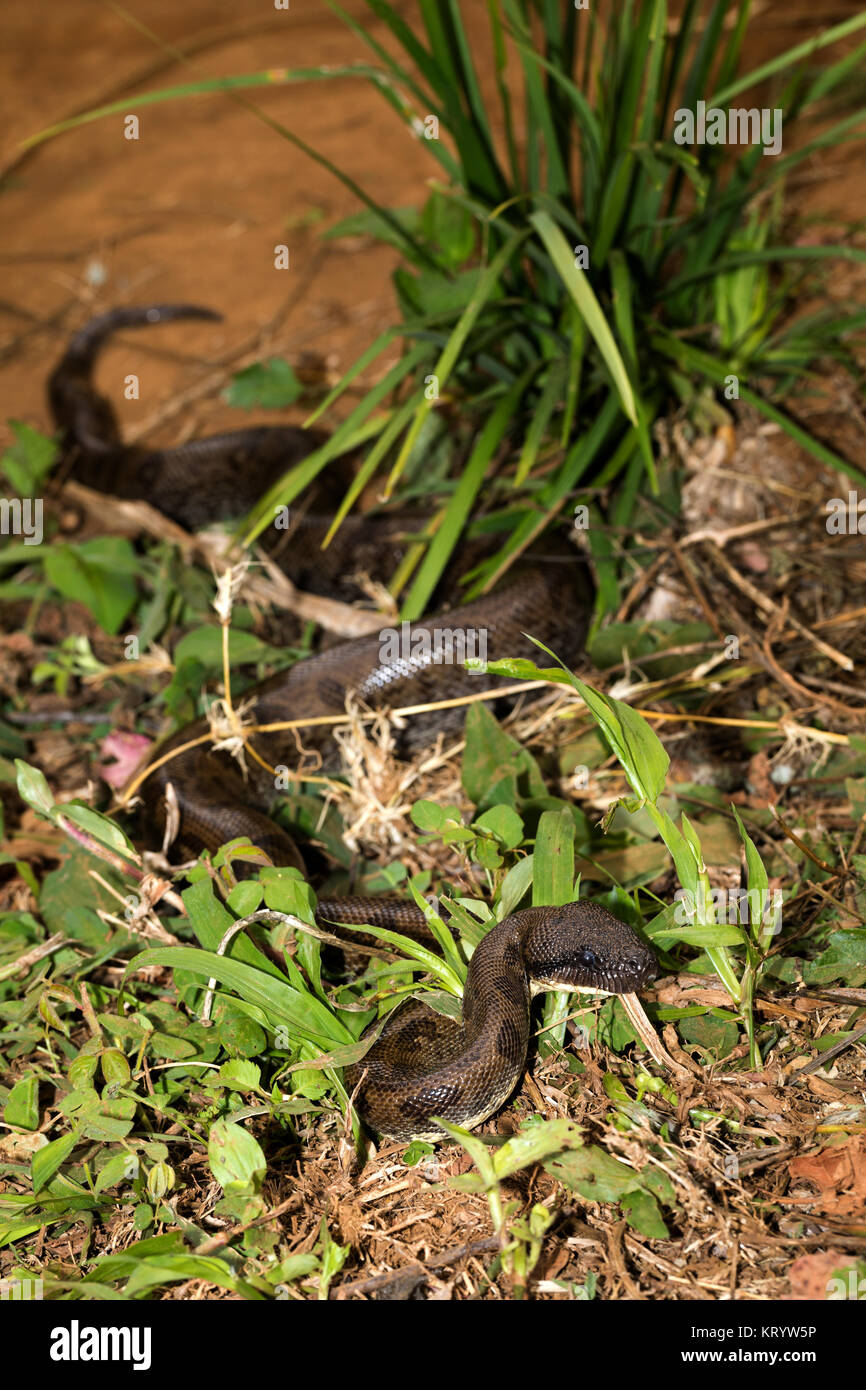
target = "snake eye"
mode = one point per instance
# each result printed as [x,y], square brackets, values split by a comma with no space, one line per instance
[588,959]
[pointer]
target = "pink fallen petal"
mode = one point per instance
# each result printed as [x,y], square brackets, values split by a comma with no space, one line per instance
[128,750]
[754,558]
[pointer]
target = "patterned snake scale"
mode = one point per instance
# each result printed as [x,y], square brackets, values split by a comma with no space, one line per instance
[423,1064]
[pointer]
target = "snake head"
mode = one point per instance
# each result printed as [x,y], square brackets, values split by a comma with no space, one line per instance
[582,946]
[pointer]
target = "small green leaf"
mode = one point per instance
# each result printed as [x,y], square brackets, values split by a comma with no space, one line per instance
[45,1162]
[417,1150]
[503,823]
[204,645]
[450,227]
[121,1167]
[115,1067]
[142,1216]
[242,1036]
[515,885]
[30,459]
[34,789]
[82,1070]
[635,744]
[246,897]
[22,1104]
[100,573]
[270,385]
[844,959]
[428,815]
[235,1157]
[642,1213]
[496,768]
[718,1036]
[240,1075]
[100,828]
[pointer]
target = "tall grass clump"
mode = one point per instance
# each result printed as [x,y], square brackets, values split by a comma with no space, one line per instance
[576,273]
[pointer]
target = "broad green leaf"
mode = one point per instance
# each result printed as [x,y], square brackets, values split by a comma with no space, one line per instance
[21,1108]
[270,385]
[277,999]
[235,1157]
[205,644]
[100,573]
[496,768]
[45,1162]
[240,1075]
[34,789]
[642,1214]
[503,823]
[99,828]
[631,738]
[121,1167]
[515,885]
[553,859]
[29,460]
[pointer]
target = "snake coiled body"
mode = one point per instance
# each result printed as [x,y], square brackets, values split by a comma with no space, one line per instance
[423,1065]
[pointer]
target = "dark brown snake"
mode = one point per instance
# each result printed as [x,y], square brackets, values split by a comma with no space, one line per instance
[423,1064]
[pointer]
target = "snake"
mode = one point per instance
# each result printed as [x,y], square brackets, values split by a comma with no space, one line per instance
[423,1066]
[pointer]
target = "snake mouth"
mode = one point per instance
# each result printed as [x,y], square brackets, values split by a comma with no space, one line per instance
[597,976]
[632,976]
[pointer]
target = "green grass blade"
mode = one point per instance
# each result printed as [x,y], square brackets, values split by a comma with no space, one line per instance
[404,35]
[358,366]
[578,286]
[450,353]
[580,457]
[828,139]
[207,87]
[642,57]
[538,425]
[231,85]
[678,49]
[787,59]
[457,35]
[704,56]
[574,375]
[769,255]
[460,503]
[390,434]
[470,129]
[835,75]
[427,102]
[624,318]
[587,118]
[500,62]
[282,1004]
[553,859]
[731,56]
[353,431]
[423,59]
[541,116]
[716,371]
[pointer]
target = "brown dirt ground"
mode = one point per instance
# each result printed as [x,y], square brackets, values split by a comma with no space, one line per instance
[192,210]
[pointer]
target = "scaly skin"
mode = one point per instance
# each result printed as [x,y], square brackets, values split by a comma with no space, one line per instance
[425,1067]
